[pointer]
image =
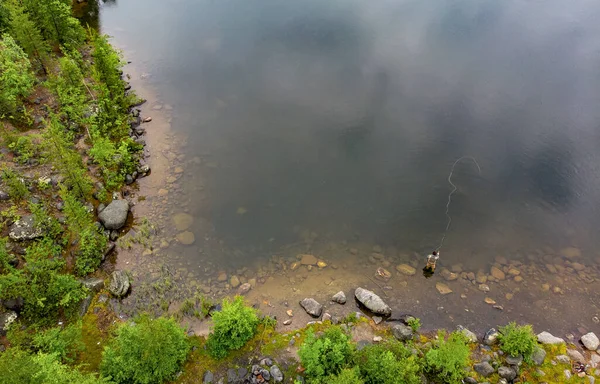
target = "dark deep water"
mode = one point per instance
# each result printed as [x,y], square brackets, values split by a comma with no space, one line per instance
[343,118]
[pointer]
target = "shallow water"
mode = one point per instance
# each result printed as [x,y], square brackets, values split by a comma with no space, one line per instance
[314,126]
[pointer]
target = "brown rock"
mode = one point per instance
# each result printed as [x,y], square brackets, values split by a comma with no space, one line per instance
[570,252]
[443,288]
[182,221]
[406,269]
[308,259]
[222,276]
[186,238]
[497,273]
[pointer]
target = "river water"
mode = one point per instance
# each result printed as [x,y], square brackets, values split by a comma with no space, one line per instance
[315,126]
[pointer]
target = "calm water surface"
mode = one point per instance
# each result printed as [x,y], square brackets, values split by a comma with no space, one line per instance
[341,119]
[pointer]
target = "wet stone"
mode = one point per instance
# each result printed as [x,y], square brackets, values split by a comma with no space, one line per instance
[182,221]
[114,215]
[372,302]
[406,269]
[234,281]
[186,238]
[443,288]
[312,307]
[497,273]
[119,283]
[308,260]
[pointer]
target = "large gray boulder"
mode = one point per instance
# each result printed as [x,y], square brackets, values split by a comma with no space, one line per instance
[339,298]
[119,283]
[372,302]
[114,215]
[24,229]
[312,307]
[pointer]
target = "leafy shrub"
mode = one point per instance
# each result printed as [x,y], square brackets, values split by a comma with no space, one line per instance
[17,189]
[517,340]
[23,148]
[145,351]
[46,292]
[325,355]
[388,364]
[64,343]
[18,366]
[346,376]
[233,326]
[16,78]
[448,360]
[414,323]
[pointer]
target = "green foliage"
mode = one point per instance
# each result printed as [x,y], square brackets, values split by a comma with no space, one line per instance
[64,343]
[18,366]
[46,291]
[233,326]
[145,351]
[107,68]
[48,224]
[16,78]
[65,157]
[17,189]
[67,85]
[388,364]
[414,323]
[91,243]
[448,359]
[27,34]
[346,376]
[517,340]
[325,355]
[4,256]
[56,22]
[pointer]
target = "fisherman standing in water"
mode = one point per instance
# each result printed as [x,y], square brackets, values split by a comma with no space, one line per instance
[430,267]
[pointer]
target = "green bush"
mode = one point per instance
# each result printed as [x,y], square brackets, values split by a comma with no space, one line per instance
[414,323]
[388,364]
[448,359]
[17,189]
[346,376]
[18,366]
[145,351]
[233,326]
[64,343]
[16,78]
[325,355]
[517,340]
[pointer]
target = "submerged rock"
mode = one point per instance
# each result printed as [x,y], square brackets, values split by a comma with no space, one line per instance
[186,238]
[372,302]
[312,307]
[119,283]
[339,298]
[182,221]
[443,288]
[24,229]
[406,269]
[308,260]
[114,215]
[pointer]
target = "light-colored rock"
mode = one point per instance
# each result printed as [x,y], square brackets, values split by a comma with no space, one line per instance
[563,359]
[377,339]
[468,334]
[497,273]
[114,215]
[372,302]
[443,288]
[244,288]
[339,298]
[575,355]
[548,338]
[489,300]
[590,341]
[186,238]
[308,260]
[406,269]
[514,271]
[321,264]
[24,229]
[484,287]
[182,221]
[594,360]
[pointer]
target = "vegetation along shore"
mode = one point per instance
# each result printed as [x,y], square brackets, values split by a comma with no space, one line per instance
[72,149]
